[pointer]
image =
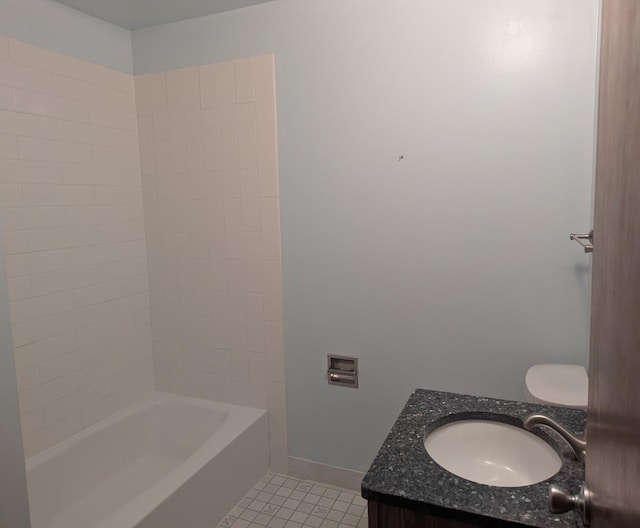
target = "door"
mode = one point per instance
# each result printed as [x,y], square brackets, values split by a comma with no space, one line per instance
[613,429]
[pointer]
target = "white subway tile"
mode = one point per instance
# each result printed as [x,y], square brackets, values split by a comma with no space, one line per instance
[119,195]
[100,332]
[247,136]
[50,195]
[241,394]
[255,323]
[253,275]
[147,146]
[8,147]
[257,381]
[208,86]
[239,354]
[74,402]
[278,458]
[19,288]
[230,167]
[93,94]
[99,293]
[272,286]
[224,389]
[19,76]
[15,242]
[212,152]
[44,59]
[112,233]
[95,214]
[211,122]
[61,366]
[137,249]
[277,405]
[27,378]
[245,88]
[43,306]
[159,94]
[199,215]
[109,175]
[32,421]
[57,388]
[92,255]
[55,325]
[263,69]
[252,245]
[56,281]
[19,124]
[143,91]
[108,78]
[109,117]
[183,88]
[207,386]
[178,144]
[6,98]
[23,171]
[270,222]
[226,77]
[24,334]
[161,125]
[220,323]
[52,434]
[268,163]
[233,228]
[47,150]
[62,237]
[116,156]
[20,218]
[228,118]
[89,134]
[62,407]
[193,121]
[251,220]
[274,351]
[10,194]
[51,106]
[32,263]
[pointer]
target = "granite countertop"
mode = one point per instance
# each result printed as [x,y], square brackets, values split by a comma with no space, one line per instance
[404,475]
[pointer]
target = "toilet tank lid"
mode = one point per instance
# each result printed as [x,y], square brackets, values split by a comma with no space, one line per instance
[565,385]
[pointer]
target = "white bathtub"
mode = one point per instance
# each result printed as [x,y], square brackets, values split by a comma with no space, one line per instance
[165,462]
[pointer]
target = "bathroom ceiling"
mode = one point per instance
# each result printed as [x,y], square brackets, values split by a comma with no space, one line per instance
[136,14]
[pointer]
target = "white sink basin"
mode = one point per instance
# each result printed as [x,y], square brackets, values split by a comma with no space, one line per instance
[492,453]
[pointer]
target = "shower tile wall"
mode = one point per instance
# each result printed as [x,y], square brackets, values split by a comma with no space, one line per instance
[210,186]
[70,193]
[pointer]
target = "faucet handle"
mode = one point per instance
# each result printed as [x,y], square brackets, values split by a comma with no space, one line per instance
[560,501]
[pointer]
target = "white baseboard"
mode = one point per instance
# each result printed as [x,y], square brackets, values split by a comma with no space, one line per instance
[325,474]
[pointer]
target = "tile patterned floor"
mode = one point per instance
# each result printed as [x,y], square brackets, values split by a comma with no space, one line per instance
[279,501]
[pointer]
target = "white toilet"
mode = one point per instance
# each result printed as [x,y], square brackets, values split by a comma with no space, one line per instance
[561,385]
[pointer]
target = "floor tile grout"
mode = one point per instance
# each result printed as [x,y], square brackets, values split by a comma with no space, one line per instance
[280,501]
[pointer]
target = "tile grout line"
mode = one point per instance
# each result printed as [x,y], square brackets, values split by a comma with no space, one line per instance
[280,501]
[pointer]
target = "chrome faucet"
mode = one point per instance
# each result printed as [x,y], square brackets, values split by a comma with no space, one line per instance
[579,446]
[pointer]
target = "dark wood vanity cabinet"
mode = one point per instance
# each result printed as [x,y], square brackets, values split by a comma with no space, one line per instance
[386,516]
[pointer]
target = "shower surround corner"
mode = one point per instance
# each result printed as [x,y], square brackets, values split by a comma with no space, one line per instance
[208,151]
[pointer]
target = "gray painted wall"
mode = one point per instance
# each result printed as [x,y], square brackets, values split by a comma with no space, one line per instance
[51,25]
[450,269]
[14,502]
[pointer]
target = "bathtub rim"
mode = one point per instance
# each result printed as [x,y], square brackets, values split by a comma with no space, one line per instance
[238,420]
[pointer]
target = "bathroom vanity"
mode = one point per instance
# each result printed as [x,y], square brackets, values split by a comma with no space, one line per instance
[406,488]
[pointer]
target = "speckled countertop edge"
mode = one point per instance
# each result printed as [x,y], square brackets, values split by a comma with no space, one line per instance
[403,474]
